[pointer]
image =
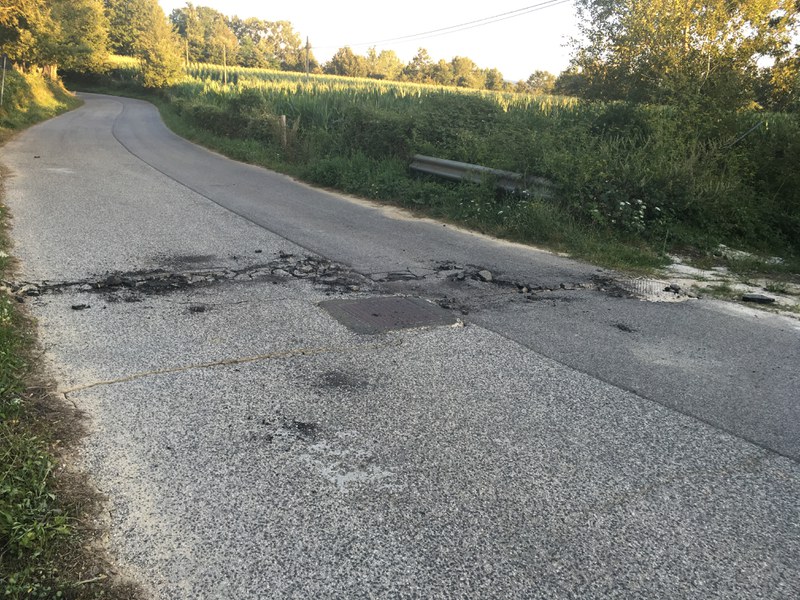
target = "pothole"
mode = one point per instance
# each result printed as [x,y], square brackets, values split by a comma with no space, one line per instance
[378,315]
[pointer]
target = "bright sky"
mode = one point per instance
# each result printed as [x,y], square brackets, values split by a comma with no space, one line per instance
[517,43]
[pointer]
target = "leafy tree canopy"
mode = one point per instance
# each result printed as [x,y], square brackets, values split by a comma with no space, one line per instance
[420,68]
[539,82]
[466,73]
[127,19]
[705,52]
[139,28]
[22,23]
[49,33]
[346,62]
[81,42]
[386,65]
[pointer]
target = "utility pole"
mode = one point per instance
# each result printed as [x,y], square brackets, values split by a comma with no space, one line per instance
[224,65]
[308,51]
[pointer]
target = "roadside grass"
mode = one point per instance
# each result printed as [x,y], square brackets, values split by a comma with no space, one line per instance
[721,291]
[724,291]
[32,521]
[780,288]
[50,543]
[30,99]
[785,271]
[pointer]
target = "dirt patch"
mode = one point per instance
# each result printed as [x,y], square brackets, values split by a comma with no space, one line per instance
[176,263]
[453,304]
[612,287]
[339,379]
[775,294]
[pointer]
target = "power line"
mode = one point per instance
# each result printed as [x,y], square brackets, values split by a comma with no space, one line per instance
[477,23]
[468,25]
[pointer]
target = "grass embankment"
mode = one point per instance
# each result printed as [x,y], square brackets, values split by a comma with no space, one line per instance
[45,509]
[635,182]
[29,99]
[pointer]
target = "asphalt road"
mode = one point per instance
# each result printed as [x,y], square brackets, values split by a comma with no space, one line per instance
[567,442]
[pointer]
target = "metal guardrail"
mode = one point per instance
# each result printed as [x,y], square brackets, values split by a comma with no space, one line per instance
[506,180]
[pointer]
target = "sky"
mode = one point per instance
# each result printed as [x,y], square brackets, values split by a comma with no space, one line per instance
[525,37]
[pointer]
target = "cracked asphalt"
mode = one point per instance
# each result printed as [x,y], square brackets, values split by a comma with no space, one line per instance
[562,439]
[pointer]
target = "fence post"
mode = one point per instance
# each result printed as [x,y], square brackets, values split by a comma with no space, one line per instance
[284,133]
[3,85]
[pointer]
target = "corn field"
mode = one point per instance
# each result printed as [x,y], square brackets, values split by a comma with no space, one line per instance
[352,88]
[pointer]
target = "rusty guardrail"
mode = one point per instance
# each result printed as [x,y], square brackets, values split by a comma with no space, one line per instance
[506,180]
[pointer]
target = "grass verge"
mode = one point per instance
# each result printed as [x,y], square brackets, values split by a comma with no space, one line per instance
[50,543]
[29,99]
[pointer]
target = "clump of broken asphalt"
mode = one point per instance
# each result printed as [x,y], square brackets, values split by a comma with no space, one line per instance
[456,287]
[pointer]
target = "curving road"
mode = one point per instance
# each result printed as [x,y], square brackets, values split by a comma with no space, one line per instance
[565,441]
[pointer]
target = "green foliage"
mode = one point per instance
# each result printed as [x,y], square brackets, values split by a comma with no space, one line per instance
[160,53]
[700,54]
[52,33]
[30,98]
[420,68]
[385,65]
[539,82]
[466,73]
[22,24]
[127,20]
[345,62]
[274,44]
[82,40]
[140,29]
[459,72]
[772,153]
[209,36]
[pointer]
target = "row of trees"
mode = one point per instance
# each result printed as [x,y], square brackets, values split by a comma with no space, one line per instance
[460,71]
[720,53]
[210,36]
[77,35]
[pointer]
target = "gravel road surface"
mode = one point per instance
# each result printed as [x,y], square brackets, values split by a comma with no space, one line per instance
[548,435]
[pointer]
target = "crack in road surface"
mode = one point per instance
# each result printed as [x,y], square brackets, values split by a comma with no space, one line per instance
[333,276]
[227,362]
[132,286]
